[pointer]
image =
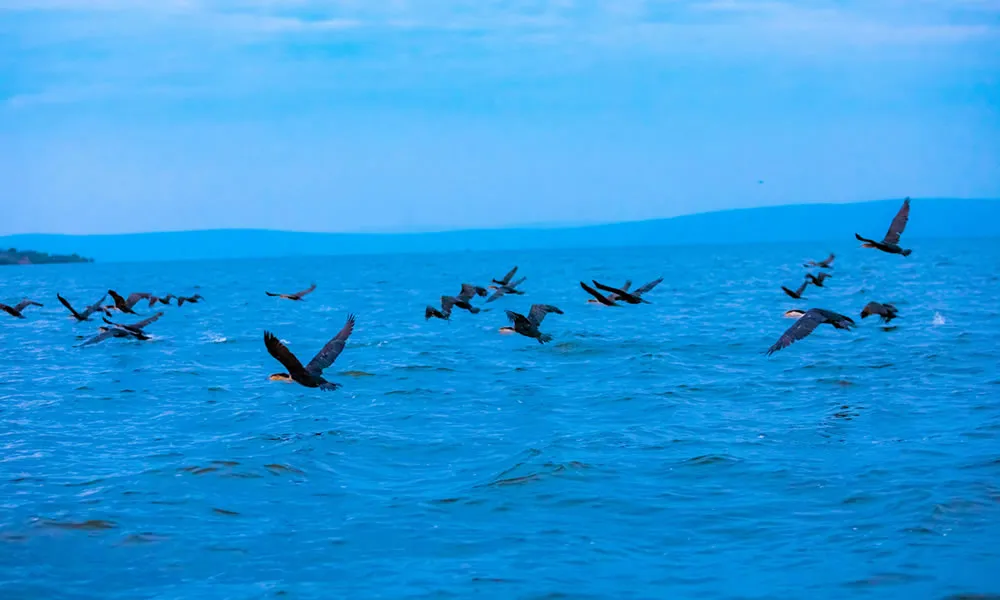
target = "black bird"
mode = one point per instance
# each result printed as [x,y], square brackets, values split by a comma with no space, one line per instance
[447,303]
[885,312]
[826,263]
[296,296]
[797,294]
[470,291]
[890,243]
[506,278]
[192,299]
[627,297]
[528,326]
[137,328]
[85,315]
[610,297]
[817,280]
[503,289]
[646,288]
[118,332]
[808,321]
[126,305]
[15,311]
[311,375]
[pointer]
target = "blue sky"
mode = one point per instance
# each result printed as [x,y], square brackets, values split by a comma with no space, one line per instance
[414,115]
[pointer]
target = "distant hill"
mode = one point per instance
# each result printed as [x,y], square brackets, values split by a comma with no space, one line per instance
[929,218]
[13,256]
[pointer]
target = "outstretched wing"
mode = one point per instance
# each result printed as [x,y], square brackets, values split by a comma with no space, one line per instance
[95,307]
[145,322]
[66,303]
[898,223]
[10,311]
[514,284]
[800,329]
[514,317]
[506,278]
[469,291]
[272,294]
[595,293]
[616,291]
[628,284]
[649,286]
[134,299]
[26,303]
[802,288]
[332,349]
[100,337]
[306,291]
[538,312]
[283,355]
[500,291]
[828,261]
[447,302]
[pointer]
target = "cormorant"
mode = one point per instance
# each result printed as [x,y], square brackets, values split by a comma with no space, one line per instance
[890,243]
[296,296]
[192,299]
[108,332]
[15,311]
[126,305]
[528,326]
[600,298]
[447,303]
[311,375]
[627,297]
[797,294]
[470,291]
[137,328]
[817,280]
[885,312]
[85,315]
[827,263]
[808,321]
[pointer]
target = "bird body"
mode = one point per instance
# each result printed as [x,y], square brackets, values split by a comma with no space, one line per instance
[885,312]
[620,294]
[126,305]
[807,322]
[890,243]
[16,310]
[528,325]
[311,375]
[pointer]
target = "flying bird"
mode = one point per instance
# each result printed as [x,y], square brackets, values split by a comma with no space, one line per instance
[311,375]
[126,305]
[890,243]
[192,299]
[296,296]
[600,298]
[826,263]
[136,328]
[85,315]
[470,291]
[885,312]
[506,278]
[627,297]
[806,323]
[109,332]
[15,311]
[447,304]
[797,294]
[817,280]
[528,326]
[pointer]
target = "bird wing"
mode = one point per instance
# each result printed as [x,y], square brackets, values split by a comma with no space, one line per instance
[800,329]
[332,349]
[134,299]
[100,337]
[9,310]
[898,224]
[514,284]
[447,302]
[516,318]
[119,301]
[145,322]
[95,307]
[802,288]
[500,291]
[829,260]
[506,278]
[283,355]
[646,288]
[538,312]
[595,294]
[469,290]
[272,294]
[872,308]
[628,284]
[617,292]
[24,304]
[71,309]
[308,290]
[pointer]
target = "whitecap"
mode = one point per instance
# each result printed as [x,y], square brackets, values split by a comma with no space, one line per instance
[938,319]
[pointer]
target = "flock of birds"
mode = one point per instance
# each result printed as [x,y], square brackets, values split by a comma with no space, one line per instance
[311,374]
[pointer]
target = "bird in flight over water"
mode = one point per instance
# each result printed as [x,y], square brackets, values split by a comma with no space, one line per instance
[807,322]
[817,280]
[528,325]
[885,312]
[85,315]
[15,311]
[826,263]
[447,304]
[126,305]
[797,294]
[311,375]
[296,296]
[890,243]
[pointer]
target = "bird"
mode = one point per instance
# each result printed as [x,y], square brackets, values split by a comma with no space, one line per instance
[528,326]
[647,287]
[126,305]
[797,294]
[15,311]
[154,300]
[506,278]
[500,290]
[85,315]
[600,298]
[885,312]
[826,263]
[817,280]
[192,299]
[806,323]
[447,303]
[296,296]
[311,375]
[136,328]
[108,332]
[627,297]
[610,297]
[890,243]
[470,291]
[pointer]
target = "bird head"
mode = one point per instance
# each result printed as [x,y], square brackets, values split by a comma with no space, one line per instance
[795,313]
[280,377]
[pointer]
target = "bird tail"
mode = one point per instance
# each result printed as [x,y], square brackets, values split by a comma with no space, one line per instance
[474,309]
[543,338]
[906,252]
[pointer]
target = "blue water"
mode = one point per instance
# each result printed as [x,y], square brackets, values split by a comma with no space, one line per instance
[647,452]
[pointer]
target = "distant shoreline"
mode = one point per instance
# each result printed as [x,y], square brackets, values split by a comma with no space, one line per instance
[13,256]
